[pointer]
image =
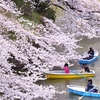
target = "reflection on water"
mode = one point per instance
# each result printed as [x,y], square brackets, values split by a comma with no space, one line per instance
[60,84]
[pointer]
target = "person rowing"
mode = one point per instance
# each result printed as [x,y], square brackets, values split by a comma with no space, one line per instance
[90,86]
[90,53]
[86,68]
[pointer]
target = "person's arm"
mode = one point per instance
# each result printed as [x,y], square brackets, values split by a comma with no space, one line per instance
[81,66]
[88,51]
[93,52]
[87,88]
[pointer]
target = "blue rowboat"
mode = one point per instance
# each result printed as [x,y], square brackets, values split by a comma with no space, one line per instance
[80,90]
[88,61]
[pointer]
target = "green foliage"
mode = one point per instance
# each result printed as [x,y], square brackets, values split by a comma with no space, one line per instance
[50,14]
[36,17]
[19,3]
[44,10]
[25,7]
[11,35]
[35,13]
[41,7]
[33,17]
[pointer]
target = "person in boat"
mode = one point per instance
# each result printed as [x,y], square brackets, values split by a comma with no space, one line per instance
[66,68]
[86,68]
[91,53]
[90,86]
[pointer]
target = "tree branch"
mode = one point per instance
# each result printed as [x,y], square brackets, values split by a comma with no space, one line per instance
[58,6]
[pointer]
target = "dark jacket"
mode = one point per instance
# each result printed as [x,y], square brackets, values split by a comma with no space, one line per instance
[91,52]
[89,87]
[86,69]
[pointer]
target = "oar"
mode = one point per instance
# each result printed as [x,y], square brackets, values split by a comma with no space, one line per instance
[78,74]
[80,98]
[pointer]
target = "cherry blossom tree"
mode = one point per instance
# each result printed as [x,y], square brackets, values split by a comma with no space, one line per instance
[28,50]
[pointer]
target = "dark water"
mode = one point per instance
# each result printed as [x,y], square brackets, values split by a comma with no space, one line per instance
[60,84]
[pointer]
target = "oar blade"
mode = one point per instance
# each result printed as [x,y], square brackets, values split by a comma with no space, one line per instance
[80,98]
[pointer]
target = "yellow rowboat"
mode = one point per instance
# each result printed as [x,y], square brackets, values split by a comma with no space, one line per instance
[73,74]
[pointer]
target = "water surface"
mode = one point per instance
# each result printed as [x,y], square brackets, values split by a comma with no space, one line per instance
[60,84]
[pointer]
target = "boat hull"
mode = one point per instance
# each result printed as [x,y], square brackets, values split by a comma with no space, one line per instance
[80,90]
[88,61]
[74,74]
